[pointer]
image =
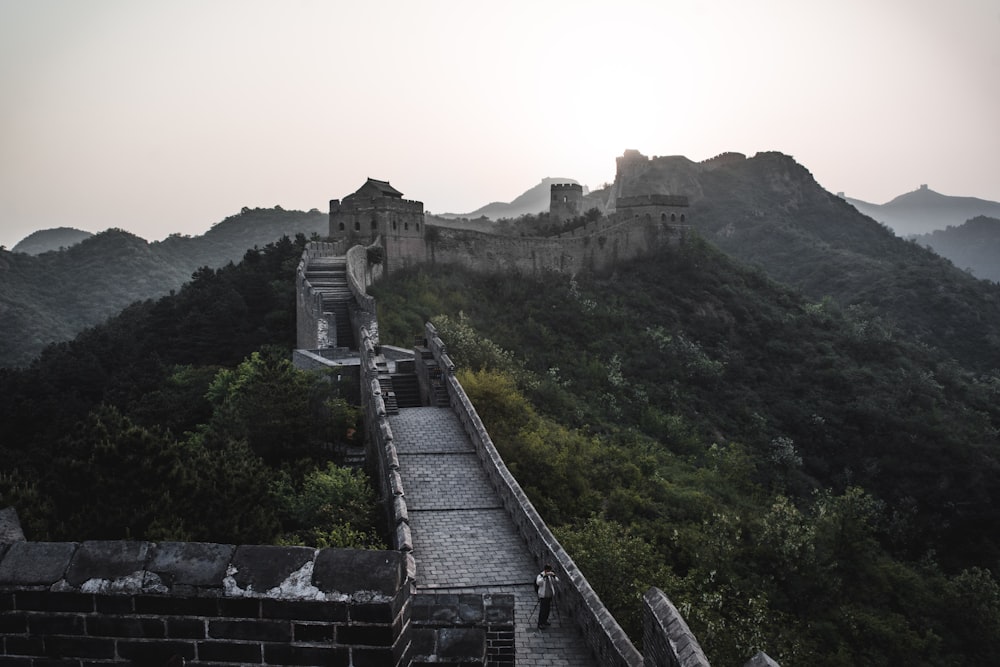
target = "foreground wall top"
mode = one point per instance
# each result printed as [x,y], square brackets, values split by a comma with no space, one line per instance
[202,569]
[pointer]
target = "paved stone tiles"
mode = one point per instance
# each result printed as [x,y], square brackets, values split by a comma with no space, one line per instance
[463,541]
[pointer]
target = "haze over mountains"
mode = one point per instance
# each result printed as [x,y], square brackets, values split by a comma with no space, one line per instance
[766,211]
[923,210]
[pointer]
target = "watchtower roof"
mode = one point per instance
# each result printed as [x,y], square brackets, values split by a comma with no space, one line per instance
[376,188]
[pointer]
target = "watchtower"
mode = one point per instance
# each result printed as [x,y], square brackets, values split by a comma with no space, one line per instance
[565,201]
[375,209]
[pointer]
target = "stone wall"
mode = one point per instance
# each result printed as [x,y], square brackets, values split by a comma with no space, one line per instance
[608,642]
[312,325]
[146,603]
[609,244]
[666,639]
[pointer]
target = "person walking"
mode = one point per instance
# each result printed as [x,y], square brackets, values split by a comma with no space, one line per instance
[545,585]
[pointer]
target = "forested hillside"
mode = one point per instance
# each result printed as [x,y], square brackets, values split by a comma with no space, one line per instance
[973,246]
[51,297]
[183,419]
[799,476]
[769,212]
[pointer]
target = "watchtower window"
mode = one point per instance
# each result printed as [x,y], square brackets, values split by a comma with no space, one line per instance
[394,225]
[340,227]
[682,217]
[418,226]
[565,199]
[673,217]
[663,217]
[406,226]
[357,225]
[374,224]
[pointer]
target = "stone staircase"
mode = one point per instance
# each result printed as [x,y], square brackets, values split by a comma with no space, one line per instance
[328,275]
[407,388]
[439,392]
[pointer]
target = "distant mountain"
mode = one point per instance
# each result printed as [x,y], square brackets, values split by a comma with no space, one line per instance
[973,247]
[53,296]
[769,212]
[924,210]
[533,201]
[50,239]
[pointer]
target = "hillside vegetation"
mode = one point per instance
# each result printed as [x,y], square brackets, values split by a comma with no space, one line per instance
[797,475]
[769,212]
[183,419]
[52,296]
[973,246]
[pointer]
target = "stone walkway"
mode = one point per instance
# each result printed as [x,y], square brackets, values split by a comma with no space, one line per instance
[463,541]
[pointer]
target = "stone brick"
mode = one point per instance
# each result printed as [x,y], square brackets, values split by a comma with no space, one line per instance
[423,641]
[164,605]
[351,570]
[155,652]
[305,610]
[190,563]
[186,628]
[379,612]
[230,652]
[46,601]
[284,654]
[35,563]
[80,647]
[13,624]
[56,625]
[260,630]
[314,632]
[373,657]
[24,646]
[113,604]
[240,607]
[262,567]
[463,643]
[364,635]
[106,560]
[125,626]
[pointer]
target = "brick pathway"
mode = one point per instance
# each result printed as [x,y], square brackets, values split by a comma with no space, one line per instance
[463,541]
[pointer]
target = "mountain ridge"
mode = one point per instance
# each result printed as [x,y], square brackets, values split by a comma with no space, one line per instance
[924,210]
[53,296]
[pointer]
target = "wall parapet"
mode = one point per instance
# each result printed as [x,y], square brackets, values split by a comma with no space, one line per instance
[146,603]
[667,639]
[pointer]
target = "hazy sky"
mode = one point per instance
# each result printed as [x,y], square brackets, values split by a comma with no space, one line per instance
[161,117]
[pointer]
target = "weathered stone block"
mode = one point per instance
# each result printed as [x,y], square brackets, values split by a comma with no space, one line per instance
[353,570]
[36,563]
[106,560]
[261,568]
[190,563]
[461,643]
